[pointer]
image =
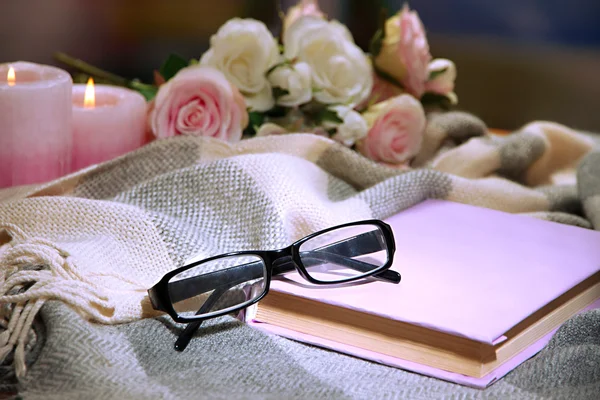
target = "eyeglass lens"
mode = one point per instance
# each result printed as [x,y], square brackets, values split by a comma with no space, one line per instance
[231,282]
[344,253]
[198,291]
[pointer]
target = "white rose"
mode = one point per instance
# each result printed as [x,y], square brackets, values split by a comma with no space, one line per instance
[269,129]
[354,127]
[304,7]
[341,71]
[244,50]
[308,25]
[296,80]
[445,75]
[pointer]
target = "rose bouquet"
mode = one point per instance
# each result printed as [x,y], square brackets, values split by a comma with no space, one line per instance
[312,78]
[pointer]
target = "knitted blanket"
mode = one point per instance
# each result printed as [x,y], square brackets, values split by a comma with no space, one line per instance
[78,254]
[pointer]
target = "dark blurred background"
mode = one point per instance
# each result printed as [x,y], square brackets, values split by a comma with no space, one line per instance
[518,60]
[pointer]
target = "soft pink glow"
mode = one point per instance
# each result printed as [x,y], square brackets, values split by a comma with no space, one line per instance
[114,126]
[35,116]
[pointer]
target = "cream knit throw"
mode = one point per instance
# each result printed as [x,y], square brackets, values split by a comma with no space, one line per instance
[98,239]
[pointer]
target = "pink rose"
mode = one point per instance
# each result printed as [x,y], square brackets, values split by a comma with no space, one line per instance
[395,130]
[405,51]
[381,91]
[199,101]
[303,8]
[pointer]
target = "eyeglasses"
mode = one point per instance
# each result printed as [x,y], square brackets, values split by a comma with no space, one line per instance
[230,282]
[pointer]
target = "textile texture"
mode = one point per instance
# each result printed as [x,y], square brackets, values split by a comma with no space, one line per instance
[78,254]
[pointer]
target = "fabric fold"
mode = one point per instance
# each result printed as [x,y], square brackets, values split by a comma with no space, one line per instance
[95,241]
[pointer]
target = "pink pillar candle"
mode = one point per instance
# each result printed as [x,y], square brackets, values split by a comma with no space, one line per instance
[35,123]
[115,125]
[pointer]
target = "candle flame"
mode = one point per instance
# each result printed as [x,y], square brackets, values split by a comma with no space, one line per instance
[10,77]
[89,100]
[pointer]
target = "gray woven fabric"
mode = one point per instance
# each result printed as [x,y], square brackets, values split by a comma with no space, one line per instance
[230,360]
[149,211]
[589,187]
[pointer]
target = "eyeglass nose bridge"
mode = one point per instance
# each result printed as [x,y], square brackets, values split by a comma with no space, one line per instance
[283,261]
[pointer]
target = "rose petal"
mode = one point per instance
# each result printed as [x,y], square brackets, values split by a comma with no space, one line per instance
[396,131]
[199,100]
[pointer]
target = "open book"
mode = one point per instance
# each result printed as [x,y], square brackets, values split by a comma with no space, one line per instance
[481,292]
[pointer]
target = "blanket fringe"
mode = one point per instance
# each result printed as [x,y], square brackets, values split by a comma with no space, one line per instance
[32,271]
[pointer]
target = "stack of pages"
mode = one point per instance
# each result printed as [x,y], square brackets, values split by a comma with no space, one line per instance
[481,292]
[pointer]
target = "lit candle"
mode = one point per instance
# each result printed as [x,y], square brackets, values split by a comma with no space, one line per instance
[35,121]
[108,121]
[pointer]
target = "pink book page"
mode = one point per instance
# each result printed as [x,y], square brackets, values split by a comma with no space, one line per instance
[468,271]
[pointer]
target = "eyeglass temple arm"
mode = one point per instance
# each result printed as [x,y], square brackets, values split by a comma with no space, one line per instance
[316,256]
[361,244]
[364,243]
[312,258]
[226,278]
[184,338]
[357,245]
[192,286]
[343,250]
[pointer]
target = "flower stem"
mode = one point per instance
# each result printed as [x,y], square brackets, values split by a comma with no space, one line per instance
[92,70]
[147,90]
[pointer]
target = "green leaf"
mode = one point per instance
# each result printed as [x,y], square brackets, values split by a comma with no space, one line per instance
[383,17]
[256,119]
[172,65]
[377,40]
[329,116]
[278,92]
[193,61]
[148,91]
[276,112]
[273,68]
[434,99]
[435,74]
[387,77]
[284,63]
[376,43]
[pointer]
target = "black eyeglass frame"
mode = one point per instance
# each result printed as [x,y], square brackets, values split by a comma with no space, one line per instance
[161,299]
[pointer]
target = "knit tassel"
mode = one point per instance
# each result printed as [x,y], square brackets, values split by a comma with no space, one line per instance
[32,271]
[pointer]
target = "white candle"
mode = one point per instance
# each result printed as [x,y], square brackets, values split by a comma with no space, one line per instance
[113,124]
[35,123]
